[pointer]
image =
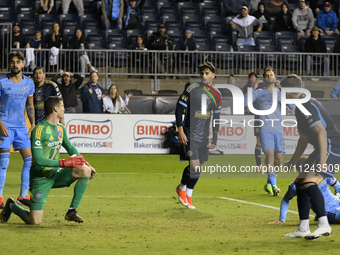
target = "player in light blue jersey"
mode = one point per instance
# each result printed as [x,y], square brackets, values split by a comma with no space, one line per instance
[16,94]
[271,130]
[332,202]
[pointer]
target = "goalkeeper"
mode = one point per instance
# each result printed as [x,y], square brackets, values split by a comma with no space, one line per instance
[48,171]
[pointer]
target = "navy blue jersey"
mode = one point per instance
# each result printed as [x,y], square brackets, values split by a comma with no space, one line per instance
[49,88]
[195,123]
[319,114]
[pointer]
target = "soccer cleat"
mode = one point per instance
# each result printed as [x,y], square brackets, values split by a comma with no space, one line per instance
[276,190]
[189,205]
[2,206]
[297,234]
[72,215]
[269,189]
[24,201]
[319,231]
[6,212]
[182,196]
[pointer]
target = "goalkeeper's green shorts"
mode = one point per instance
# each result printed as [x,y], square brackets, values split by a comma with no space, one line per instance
[41,186]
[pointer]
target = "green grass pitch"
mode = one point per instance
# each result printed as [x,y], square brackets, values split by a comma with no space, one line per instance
[131,208]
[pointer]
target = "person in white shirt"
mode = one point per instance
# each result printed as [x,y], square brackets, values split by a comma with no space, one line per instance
[113,102]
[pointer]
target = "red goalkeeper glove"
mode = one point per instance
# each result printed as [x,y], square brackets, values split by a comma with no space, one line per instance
[72,162]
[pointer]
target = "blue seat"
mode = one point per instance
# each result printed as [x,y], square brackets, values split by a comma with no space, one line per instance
[94,31]
[290,61]
[7,17]
[206,5]
[118,58]
[170,18]
[225,59]
[89,17]
[25,9]
[200,35]
[192,20]
[219,36]
[133,34]
[247,59]
[182,7]
[5,9]
[44,18]
[284,35]
[166,7]
[175,32]
[269,59]
[113,32]
[213,21]
[71,17]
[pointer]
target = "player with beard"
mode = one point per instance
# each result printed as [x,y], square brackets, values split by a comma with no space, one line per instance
[16,93]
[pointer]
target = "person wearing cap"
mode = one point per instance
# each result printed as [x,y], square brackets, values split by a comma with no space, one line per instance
[327,20]
[68,89]
[160,40]
[113,11]
[186,43]
[18,38]
[133,15]
[232,8]
[244,24]
[303,19]
[316,44]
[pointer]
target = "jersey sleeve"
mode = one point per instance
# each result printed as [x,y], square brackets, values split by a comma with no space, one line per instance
[71,150]
[254,98]
[56,89]
[313,119]
[37,141]
[31,88]
[184,99]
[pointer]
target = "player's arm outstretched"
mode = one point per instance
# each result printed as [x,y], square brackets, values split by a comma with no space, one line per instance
[73,152]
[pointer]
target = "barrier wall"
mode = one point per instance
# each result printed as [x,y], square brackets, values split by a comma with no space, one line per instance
[144,134]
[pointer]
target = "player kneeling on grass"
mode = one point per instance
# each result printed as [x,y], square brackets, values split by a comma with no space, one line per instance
[48,171]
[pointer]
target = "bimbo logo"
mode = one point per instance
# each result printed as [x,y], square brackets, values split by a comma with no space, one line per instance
[149,129]
[99,130]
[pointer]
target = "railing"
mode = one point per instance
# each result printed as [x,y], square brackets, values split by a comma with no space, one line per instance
[172,64]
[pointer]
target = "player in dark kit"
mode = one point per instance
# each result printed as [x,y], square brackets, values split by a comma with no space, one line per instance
[193,131]
[319,130]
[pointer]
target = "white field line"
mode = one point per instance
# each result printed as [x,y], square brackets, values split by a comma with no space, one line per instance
[109,173]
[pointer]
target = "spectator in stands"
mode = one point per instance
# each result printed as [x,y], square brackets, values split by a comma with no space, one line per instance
[78,42]
[316,44]
[253,82]
[231,79]
[303,19]
[327,20]
[187,43]
[114,102]
[160,40]
[263,15]
[68,89]
[140,59]
[274,6]
[56,38]
[283,20]
[233,8]
[253,6]
[92,95]
[38,43]
[46,6]
[336,91]
[18,38]
[78,3]
[133,15]
[244,25]
[113,11]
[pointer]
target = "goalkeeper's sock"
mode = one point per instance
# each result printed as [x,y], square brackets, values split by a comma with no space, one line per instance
[21,212]
[79,190]
[258,155]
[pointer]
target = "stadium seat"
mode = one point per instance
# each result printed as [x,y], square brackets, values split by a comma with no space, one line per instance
[98,58]
[69,24]
[224,59]
[94,32]
[118,58]
[266,36]
[131,35]
[166,104]
[5,9]
[148,10]
[7,17]
[247,59]
[91,18]
[200,35]
[285,35]
[167,92]
[90,7]
[175,32]
[45,32]
[268,59]
[290,61]
[71,17]
[192,20]
[6,3]
[213,21]
[44,18]
[25,9]
[219,37]
[183,6]
[317,93]
[225,93]
[135,92]
[206,5]
[115,39]
[68,32]
[147,102]
[170,18]
[148,17]
[115,32]
[21,3]
[166,7]
[27,18]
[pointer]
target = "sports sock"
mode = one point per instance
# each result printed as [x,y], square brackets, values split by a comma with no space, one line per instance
[194,176]
[21,212]
[323,222]
[258,155]
[185,175]
[304,225]
[316,198]
[182,186]
[79,190]
[4,161]
[25,176]
[303,202]
[189,192]
[272,178]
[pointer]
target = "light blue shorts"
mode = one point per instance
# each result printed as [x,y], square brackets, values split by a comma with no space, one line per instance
[273,141]
[18,137]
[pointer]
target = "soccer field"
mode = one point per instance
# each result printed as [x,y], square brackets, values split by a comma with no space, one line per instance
[131,208]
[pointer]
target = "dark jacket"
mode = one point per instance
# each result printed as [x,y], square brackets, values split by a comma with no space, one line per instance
[312,45]
[91,102]
[59,40]
[137,11]
[274,6]
[184,42]
[283,22]
[74,43]
[69,92]
[157,41]
[233,7]
[264,17]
